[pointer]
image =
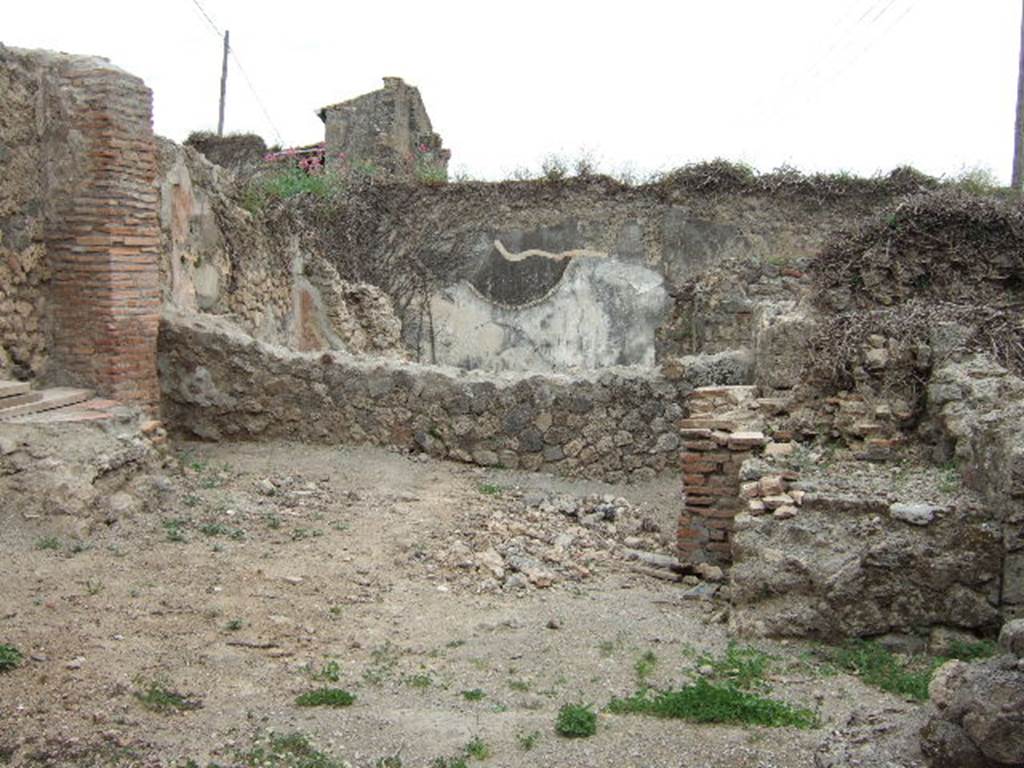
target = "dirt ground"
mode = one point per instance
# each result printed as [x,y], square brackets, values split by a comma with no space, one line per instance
[261,565]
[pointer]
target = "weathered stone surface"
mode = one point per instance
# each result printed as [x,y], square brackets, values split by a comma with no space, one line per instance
[1011,637]
[220,383]
[840,569]
[978,717]
[915,514]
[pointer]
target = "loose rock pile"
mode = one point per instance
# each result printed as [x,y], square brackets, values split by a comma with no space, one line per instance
[538,540]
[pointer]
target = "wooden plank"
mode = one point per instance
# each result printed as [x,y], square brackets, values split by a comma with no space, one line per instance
[10,388]
[57,397]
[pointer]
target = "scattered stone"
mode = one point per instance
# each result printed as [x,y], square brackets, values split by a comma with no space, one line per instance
[915,514]
[554,623]
[709,572]
[76,663]
[266,487]
[293,579]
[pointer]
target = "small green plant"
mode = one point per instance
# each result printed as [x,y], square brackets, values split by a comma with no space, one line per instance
[576,721]
[422,681]
[743,666]
[474,695]
[527,741]
[390,761]
[93,588]
[10,657]
[645,665]
[299,534]
[384,659]
[293,750]
[326,697]
[285,182]
[78,547]
[234,625]
[272,521]
[478,749]
[880,667]
[175,529]
[967,651]
[214,529]
[48,542]
[490,489]
[449,762]
[607,647]
[707,702]
[157,697]
[330,671]
[522,686]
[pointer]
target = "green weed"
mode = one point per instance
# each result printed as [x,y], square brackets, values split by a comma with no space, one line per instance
[421,681]
[330,671]
[292,750]
[326,697]
[490,489]
[706,702]
[10,657]
[234,625]
[743,667]
[157,697]
[478,749]
[48,542]
[474,695]
[522,686]
[175,529]
[576,721]
[527,741]
[645,665]
[449,762]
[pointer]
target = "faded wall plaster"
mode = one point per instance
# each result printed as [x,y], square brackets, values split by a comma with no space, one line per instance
[601,313]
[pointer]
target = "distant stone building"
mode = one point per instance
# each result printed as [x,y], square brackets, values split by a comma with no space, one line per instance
[385,133]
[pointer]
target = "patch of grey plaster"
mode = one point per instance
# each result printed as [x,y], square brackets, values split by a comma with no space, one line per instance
[602,313]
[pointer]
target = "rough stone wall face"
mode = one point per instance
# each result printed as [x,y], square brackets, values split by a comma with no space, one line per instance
[219,383]
[386,131]
[24,272]
[104,244]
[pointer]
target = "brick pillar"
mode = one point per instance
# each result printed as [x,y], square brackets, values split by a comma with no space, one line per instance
[715,445]
[104,240]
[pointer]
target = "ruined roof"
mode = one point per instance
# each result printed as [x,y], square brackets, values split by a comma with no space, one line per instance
[390,84]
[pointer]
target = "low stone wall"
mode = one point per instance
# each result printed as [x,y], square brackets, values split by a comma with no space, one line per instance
[615,425]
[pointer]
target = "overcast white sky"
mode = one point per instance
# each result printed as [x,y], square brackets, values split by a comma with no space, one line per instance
[860,85]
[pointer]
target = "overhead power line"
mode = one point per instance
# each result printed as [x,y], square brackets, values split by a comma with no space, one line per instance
[245,75]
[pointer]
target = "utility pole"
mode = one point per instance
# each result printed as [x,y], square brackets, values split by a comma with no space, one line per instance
[224,84]
[1018,138]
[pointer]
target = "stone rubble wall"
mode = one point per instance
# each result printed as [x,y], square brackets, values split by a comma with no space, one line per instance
[218,383]
[978,406]
[25,340]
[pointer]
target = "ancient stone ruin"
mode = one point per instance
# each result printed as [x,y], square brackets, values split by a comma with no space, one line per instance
[828,371]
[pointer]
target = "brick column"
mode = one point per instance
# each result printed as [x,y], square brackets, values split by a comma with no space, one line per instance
[104,240]
[714,447]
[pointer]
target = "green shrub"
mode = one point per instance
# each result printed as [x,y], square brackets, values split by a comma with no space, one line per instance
[326,697]
[706,702]
[293,750]
[10,657]
[474,695]
[576,721]
[742,666]
[880,667]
